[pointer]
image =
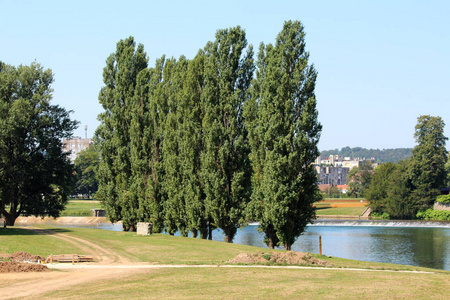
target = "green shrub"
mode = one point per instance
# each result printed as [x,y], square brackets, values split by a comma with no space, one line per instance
[443,199]
[431,214]
[380,215]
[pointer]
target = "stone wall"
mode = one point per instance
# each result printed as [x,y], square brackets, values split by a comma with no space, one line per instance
[144,228]
[441,206]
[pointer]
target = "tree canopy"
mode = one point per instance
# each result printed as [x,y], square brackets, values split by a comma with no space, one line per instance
[175,138]
[35,173]
[283,132]
[403,189]
[86,165]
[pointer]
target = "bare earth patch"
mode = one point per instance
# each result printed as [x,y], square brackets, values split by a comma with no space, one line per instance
[21,262]
[12,266]
[289,258]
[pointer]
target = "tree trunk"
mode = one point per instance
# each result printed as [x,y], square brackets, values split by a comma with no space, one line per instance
[287,247]
[194,233]
[270,243]
[229,232]
[10,219]
[210,229]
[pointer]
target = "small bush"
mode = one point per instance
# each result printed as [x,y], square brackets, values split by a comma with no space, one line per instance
[431,214]
[380,215]
[443,198]
[267,256]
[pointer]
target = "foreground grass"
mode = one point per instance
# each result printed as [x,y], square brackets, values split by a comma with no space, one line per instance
[213,283]
[250,283]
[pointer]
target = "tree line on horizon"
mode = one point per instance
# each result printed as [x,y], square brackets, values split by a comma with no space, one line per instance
[211,142]
[381,156]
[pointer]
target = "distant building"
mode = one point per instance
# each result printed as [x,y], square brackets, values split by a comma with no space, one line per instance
[334,169]
[332,175]
[75,145]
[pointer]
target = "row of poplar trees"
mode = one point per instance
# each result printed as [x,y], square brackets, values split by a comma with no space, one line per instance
[212,142]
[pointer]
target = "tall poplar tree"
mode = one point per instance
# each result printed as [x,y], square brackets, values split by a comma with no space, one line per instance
[113,134]
[146,135]
[175,217]
[283,131]
[191,146]
[228,70]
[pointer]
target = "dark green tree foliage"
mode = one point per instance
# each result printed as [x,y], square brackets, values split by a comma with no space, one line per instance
[359,179]
[402,190]
[283,132]
[175,217]
[427,166]
[377,192]
[228,70]
[390,189]
[113,135]
[191,146]
[146,136]
[86,165]
[35,174]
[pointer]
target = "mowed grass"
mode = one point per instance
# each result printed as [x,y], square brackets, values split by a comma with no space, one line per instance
[16,239]
[351,211]
[242,282]
[76,208]
[251,283]
[157,248]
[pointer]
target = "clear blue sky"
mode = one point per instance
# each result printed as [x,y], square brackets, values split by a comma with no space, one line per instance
[381,64]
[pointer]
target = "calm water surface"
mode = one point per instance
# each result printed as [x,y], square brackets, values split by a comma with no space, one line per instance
[408,243]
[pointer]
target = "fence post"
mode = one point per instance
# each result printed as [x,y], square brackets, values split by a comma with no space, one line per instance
[320,244]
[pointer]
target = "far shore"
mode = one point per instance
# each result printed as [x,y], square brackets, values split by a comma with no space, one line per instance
[61,220]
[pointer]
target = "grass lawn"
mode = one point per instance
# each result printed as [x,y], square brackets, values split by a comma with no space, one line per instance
[80,208]
[220,283]
[250,283]
[352,211]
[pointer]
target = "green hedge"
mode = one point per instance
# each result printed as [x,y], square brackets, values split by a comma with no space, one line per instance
[443,198]
[431,214]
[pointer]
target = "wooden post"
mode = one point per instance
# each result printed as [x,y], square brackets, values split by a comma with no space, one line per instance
[320,244]
[73,259]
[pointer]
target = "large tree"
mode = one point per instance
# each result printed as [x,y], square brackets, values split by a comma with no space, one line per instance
[146,136]
[427,166]
[228,69]
[86,165]
[35,173]
[113,135]
[359,179]
[284,132]
[377,192]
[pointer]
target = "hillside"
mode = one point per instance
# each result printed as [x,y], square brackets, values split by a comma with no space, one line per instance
[381,156]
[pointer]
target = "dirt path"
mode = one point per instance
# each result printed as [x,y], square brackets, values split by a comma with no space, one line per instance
[102,255]
[31,285]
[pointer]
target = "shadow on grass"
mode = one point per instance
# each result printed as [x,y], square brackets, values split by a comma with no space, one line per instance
[319,208]
[30,231]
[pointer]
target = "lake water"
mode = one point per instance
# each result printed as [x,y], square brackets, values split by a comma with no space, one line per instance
[425,244]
